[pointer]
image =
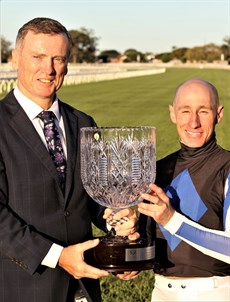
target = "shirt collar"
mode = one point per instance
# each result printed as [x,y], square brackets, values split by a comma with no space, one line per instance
[207,148]
[31,108]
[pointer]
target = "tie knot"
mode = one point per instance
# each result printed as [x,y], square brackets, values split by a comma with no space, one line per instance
[46,116]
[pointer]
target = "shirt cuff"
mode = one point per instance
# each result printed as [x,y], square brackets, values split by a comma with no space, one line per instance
[51,259]
[174,223]
[108,227]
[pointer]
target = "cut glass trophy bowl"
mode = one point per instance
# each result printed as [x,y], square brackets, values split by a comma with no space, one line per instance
[117,165]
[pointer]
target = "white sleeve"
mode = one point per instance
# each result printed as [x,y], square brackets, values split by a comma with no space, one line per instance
[211,242]
[51,259]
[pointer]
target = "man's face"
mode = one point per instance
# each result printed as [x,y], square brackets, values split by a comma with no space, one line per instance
[195,114]
[41,61]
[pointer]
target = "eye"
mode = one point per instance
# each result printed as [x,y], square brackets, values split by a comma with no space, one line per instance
[38,57]
[60,59]
[203,111]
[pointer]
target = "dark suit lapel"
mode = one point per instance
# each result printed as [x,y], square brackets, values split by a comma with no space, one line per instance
[71,130]
[25,129]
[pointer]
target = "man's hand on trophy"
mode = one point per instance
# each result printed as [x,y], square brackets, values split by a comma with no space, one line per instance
[124,222]
[72,260]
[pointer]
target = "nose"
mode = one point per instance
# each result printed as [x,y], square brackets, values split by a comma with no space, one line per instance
[49,66]
[194,121]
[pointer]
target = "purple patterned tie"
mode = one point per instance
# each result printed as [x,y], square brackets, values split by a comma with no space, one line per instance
[54,145]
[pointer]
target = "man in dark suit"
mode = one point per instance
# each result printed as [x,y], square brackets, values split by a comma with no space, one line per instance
[44,229]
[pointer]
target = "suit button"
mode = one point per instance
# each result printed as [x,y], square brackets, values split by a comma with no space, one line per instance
[183,286]
[170,285]
[67,213]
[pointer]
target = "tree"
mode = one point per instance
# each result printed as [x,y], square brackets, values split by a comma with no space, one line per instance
[227,40]
[212,52]
[179,53]
[132,55]
[225,48]
[5,50]
[108,55]
[208,53]
[84,46]
[164,57]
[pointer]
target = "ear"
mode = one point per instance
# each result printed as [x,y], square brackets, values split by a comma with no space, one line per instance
[172,114]
[220,113]
[15,59]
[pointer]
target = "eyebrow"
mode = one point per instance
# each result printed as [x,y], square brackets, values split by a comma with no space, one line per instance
[188,107]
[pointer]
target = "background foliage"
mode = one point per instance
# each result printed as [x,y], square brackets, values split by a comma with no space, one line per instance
[143,101]
[85,47]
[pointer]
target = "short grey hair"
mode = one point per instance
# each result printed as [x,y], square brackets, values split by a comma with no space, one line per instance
[42,25]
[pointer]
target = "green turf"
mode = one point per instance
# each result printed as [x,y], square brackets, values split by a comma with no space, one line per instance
[144,101]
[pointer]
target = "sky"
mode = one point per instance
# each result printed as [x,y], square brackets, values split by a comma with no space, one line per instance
[145,25]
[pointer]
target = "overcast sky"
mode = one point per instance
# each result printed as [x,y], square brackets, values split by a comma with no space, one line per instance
[147,26]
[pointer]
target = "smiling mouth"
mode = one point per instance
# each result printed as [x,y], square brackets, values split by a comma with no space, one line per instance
[45,81]
[194,134]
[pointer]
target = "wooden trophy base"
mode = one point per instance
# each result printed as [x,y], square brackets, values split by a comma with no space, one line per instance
[118,254]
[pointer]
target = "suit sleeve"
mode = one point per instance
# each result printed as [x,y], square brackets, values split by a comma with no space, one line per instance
[16,237]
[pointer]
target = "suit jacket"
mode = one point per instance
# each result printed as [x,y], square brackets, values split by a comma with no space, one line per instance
[34,214]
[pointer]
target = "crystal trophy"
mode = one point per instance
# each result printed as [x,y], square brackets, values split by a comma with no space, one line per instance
[117,165]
